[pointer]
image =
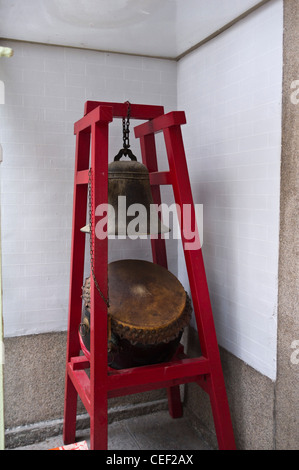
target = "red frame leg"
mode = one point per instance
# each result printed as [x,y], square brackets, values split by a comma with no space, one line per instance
[174,402]
[76,276]
[149,159]
[98,317]
[178,177]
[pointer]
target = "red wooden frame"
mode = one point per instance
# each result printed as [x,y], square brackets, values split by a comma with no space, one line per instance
[92,138]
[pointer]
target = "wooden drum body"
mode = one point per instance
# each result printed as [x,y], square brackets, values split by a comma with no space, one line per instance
[148,312]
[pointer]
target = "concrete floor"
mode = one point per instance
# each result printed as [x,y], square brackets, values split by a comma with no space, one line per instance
[156,431]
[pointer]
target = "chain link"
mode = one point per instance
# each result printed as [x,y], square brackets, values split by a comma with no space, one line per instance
[91,239]
[126,127]
[126,151]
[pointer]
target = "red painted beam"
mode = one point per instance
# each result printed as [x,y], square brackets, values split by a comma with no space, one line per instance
[82,177]
[131,390]
[101,113]
[120,110]
[163,373]
[158,178]
[80,363]
[139,379]
[81,383]
[175,118]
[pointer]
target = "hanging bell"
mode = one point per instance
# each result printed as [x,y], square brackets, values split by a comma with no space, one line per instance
[129,193]
[131,209]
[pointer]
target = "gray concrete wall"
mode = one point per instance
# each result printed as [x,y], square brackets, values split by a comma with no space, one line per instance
[265,414]
[34,395]
[34,377]
[251,401]
[287,397]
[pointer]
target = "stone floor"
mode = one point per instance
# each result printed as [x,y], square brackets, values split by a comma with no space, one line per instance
[155,431]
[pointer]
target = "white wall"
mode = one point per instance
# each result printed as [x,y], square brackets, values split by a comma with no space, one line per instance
[46,88]
[231,90]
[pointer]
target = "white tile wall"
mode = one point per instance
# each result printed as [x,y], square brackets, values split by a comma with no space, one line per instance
[46,88]
[231,92]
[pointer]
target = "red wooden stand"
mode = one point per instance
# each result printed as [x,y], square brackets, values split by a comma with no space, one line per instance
[103,382]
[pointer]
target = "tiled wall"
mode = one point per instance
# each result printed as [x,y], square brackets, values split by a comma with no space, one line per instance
[45,91]
[231,91]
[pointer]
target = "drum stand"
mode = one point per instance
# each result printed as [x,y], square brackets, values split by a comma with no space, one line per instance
[103,382]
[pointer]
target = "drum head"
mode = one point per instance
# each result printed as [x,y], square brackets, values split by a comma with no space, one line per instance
[147,302]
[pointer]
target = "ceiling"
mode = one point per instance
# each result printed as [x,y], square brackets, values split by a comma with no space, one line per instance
[159,28]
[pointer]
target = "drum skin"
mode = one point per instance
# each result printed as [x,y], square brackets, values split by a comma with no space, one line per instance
[148,312]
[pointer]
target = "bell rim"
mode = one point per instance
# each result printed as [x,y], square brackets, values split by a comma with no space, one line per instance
[164,229]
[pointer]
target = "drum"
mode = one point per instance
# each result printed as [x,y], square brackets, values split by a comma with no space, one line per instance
[148,312]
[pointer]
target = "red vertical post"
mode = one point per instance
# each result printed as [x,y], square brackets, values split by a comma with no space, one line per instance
[149,158]
[199,290]
[98,312]
[76,279]
[194,259]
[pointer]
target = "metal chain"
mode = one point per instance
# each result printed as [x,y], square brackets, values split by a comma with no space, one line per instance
[91,239]
[126,127]
[126,145]
[126,151]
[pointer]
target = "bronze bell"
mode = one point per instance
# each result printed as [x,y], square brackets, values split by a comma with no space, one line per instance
[129,193]
[131,209]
